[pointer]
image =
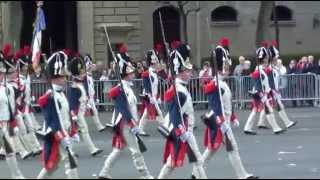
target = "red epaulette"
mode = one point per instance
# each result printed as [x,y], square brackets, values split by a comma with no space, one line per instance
[255,75]
[268,70]
[169,94]
[43,100]
[145,74]
[114,92]
[210,87]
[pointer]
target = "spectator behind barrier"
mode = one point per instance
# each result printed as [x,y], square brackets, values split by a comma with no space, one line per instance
[238,70]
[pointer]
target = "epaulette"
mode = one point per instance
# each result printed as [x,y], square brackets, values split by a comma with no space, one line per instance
[145,74]
[210,87]
[43,100]
[114,92]
[169,94]
[255,75]
[268,70]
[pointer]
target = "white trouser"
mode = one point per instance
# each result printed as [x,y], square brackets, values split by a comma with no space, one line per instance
[282,114]
[249,124]
[95,116]
[34,121]
[234,156]
[31,137]
[198,169]
[7,146]
[137,156]
[70,173]
[84,132]
[20,140]
[143,120]
[270,118]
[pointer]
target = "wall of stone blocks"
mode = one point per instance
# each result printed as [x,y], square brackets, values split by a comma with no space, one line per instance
[117,12]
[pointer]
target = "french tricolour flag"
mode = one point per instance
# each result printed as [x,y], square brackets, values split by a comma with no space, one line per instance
[40,25]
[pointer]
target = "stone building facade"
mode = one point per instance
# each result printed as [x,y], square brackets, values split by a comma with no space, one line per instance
[133,22]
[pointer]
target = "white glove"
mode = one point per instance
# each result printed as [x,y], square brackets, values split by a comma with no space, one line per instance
[277,95]
[152,100]
[264,98]
[135,130]
[236,123]
[16,130]
[66,142]
[159,101]
[75,138]
[224,127]
[185,136]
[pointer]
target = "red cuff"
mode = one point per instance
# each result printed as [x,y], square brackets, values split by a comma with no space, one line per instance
[131,123]
[219,120]
[59,135]
[13,123]
[179,130]
[234,117]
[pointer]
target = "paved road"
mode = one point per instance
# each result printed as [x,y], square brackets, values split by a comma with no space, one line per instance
[294,154]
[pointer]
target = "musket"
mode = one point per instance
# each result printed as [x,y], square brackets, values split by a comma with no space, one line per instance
[141,144]
[193,157]
[214,66]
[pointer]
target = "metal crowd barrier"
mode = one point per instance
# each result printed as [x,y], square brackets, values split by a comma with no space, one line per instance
[292,87]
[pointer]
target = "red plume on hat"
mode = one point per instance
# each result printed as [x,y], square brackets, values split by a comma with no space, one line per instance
[18,55]
[26,50]
[76,54]
[122,48]
[175,44]
[274,43]
[224,42]
[158,47]
[6,50]
[265,43]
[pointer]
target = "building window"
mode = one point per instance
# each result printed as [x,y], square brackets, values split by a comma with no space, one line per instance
[224,13]
[283,14]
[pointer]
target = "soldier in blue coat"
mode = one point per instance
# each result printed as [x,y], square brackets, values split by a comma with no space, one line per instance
[124,123]
[78,100]
[59,130]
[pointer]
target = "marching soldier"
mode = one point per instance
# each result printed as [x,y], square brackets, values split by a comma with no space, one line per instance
[218,119]
[150,100]
[260,92]
[123,56]
[77,98]
[58,125]
[20,140]
[8,125]
[124,123]
[89,87]
[24,66]
[273,76]
[180,139]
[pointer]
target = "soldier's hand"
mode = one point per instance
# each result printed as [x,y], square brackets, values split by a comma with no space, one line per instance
[16,130]
[135,130]
[66,142]
[224,127]
[236,123]
[185,136]
[76,138]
